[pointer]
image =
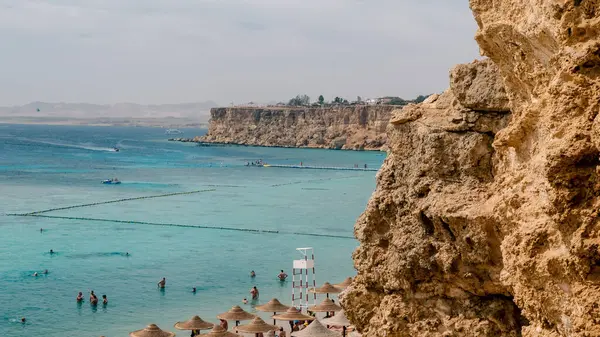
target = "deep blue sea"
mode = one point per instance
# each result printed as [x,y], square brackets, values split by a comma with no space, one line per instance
[46,167]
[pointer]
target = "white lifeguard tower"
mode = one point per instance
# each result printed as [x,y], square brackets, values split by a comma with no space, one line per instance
[303,279]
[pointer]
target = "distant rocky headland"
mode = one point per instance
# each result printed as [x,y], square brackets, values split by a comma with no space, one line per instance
[345,127]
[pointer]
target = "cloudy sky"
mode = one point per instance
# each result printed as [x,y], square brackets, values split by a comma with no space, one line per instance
[172,51]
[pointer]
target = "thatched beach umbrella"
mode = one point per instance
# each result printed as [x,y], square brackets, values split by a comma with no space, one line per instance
[237,314]
[326,288]
[339,319]
[257,326]
[344,284]
[293,314]
[219,331]
[315,329]
[194,323]
[151,330]
[326,306]
[273,306]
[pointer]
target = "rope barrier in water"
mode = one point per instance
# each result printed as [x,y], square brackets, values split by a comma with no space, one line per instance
[312,181]
[181,225]
[114,201]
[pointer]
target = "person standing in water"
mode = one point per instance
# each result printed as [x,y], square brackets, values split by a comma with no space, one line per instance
[162,283]
[104,300]
[80,297]
[93,298]
[282,276]
[254,293]
[252,274]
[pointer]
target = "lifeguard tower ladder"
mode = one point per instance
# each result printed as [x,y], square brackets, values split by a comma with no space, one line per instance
[303,279]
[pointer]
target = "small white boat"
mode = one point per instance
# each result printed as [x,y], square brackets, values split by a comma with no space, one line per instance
[114,181]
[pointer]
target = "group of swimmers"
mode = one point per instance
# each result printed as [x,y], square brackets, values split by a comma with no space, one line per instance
[93,298]
[281,276]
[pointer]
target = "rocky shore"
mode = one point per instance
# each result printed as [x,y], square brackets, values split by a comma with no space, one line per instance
[485,218]
[358,127]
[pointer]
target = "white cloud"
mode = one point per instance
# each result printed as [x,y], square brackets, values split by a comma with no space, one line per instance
[158,51]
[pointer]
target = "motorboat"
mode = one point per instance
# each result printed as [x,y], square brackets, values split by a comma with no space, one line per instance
[113,181]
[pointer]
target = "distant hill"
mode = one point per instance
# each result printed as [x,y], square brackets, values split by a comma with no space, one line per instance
[87,110]
[86,113]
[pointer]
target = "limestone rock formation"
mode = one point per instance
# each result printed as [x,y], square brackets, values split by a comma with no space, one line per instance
[478,86]
[486,223]
[349,127]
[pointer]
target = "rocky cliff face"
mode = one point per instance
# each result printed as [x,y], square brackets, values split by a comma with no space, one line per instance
[349,128]
[485,222]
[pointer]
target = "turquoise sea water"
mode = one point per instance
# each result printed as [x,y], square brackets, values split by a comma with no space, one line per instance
[43,167]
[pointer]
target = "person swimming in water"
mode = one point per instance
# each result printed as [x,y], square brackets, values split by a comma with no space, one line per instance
[45,271]
[23,320]
[252,274]
[127,254]
[245,301]
[51,251]
[80,297]
[35,274]
[104,300]
[282,276]
[162,283]
[193,290]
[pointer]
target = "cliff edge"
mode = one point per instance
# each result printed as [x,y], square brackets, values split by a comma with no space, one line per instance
[485,217]
[359,127]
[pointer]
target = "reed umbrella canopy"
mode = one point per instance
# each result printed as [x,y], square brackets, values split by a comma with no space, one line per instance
[219,331]
[339,319]
[325,306]
[151,330]
[344,284]
[316,329]
[194,323]
[293,314]
[326,288]
[272,306]
[257,326]
[236,313]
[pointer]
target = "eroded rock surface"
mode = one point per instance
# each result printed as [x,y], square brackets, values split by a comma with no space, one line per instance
[348,128]
[478,86]
[485,223]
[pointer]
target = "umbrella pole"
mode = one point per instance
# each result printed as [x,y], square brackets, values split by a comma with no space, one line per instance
[327,295]
[274,320]
[344,331]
